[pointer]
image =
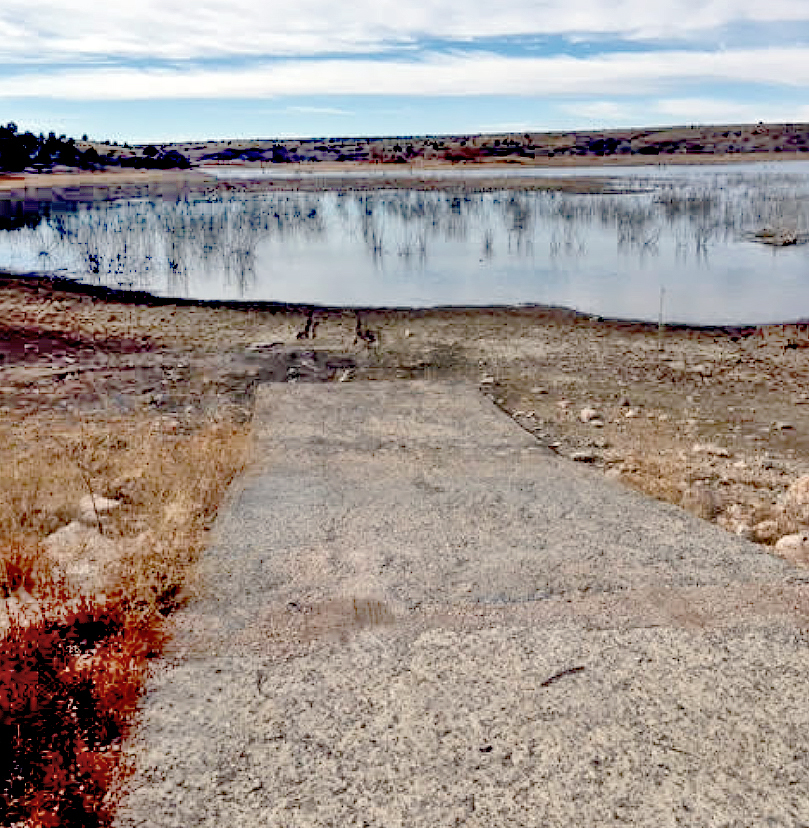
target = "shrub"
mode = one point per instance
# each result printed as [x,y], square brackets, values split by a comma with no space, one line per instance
[68,689]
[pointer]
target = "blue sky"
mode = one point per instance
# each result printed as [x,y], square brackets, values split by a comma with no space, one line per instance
[160,70]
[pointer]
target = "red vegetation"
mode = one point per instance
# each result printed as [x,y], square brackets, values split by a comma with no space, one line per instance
[68,689]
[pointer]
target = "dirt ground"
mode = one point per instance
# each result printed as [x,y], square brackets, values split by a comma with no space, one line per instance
[715,420]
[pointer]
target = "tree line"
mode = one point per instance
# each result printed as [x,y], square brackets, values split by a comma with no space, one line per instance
[25,150]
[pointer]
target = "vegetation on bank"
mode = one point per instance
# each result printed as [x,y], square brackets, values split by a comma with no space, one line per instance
[72,661]
[21,151]
[26,151]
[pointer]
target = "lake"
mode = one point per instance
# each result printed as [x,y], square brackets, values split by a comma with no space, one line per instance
[681,234]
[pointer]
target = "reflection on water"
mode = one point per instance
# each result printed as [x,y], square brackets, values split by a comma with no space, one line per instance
[687,231]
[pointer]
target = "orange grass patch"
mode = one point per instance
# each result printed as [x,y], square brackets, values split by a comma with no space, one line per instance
[69,685]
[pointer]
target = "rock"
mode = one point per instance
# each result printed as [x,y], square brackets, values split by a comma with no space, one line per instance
[408,333]
[20,608]
[735,526]
[766,531]
[736,511]
[346,376]
[261,347]
[563,404]
[584,456]
[538,389]
[710,448]
[631,413]
[798,492]
[590,415]
[85,555]
[487,381]
[794,548]
[624,402]
[781,426]
[94,507]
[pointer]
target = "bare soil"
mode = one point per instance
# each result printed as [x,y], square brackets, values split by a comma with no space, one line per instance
[713,419]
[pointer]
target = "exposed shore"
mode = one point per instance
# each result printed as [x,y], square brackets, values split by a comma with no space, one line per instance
[715,419]
[148,402]
[357,175]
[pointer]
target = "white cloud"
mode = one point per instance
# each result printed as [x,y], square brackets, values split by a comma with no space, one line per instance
[711,110]
[614,76]
[318,110]
[181,29]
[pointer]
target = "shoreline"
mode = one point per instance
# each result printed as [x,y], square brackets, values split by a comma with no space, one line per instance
[377,172]
[50,281]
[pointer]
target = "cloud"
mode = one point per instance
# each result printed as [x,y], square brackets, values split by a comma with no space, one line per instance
[609,76]
[318,110]
[712,110]
[75,30]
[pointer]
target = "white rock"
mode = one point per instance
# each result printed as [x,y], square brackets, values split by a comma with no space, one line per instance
[630,413]
[487,380]
[710,448]
[794,548]
[798,492]
[736,511]
[408,332]
[92,507]
[83,553]
[21,608]
[590,415]
[737,527]
[538,389]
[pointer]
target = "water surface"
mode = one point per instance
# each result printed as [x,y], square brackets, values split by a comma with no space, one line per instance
[685,231]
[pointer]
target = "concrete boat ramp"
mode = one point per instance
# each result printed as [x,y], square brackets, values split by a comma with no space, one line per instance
[413,614]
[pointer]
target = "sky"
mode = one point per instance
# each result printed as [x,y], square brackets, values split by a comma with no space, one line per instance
[163,70]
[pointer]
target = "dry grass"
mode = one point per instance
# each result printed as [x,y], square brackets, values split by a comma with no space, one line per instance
[70,680]
[169,484]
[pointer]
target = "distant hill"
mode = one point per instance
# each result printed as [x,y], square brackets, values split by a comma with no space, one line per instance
[517,147]
[27,152]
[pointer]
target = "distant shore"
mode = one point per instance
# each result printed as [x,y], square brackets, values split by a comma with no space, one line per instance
[292,175]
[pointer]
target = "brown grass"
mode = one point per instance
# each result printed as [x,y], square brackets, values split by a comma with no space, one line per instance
[71,676]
